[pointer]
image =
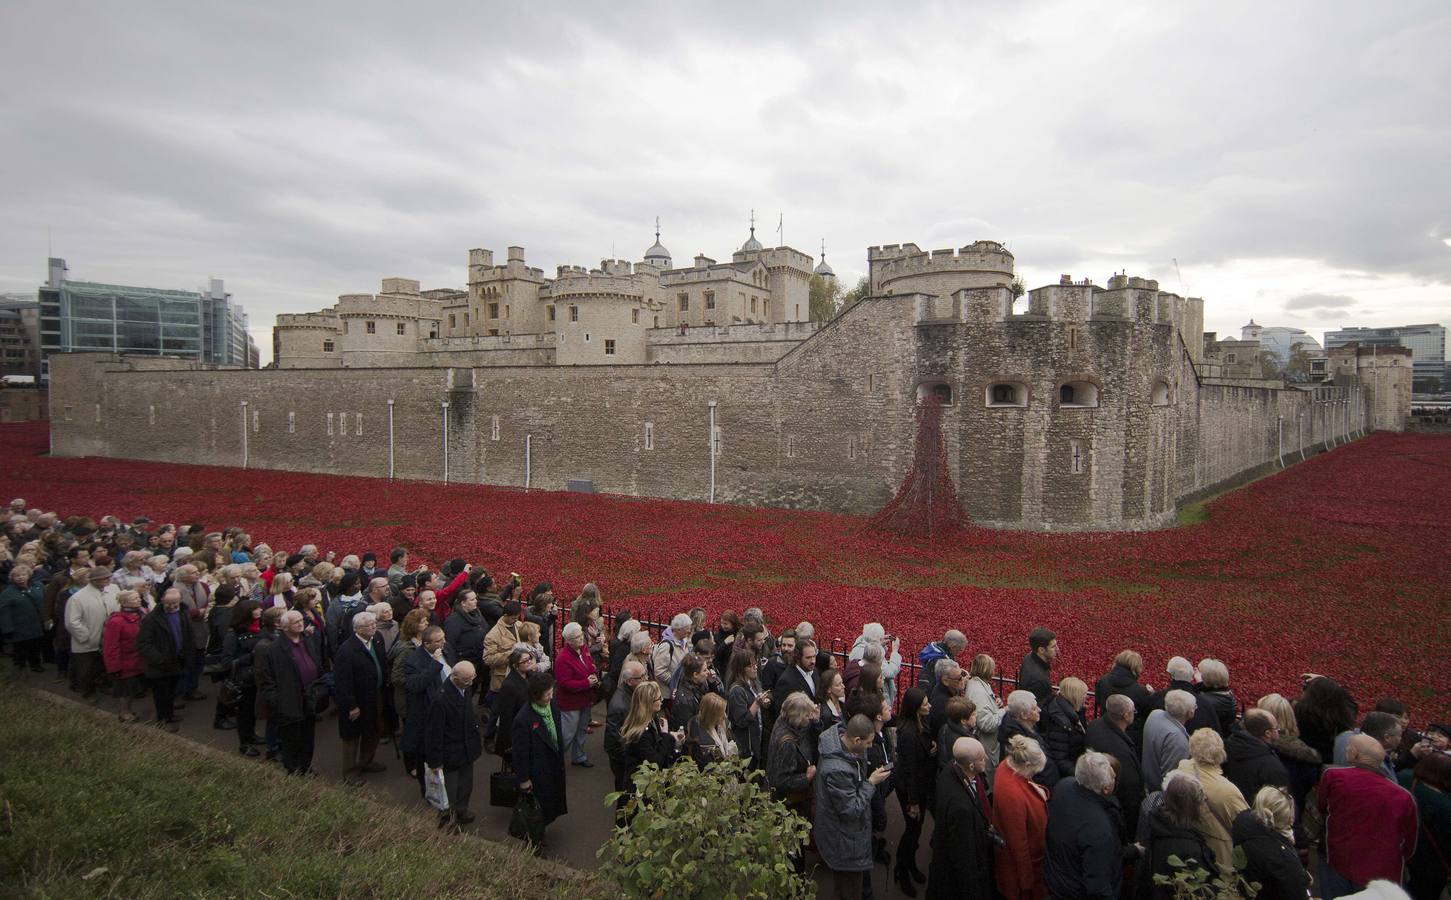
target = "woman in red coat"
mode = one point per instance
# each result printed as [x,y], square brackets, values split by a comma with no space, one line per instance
[1020,812]
[118,650]
[575,683]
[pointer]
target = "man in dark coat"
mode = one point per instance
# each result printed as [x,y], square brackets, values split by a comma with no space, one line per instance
[962,849]
[1109,734]
[165,641]
[1181,678]
[536,748]
[424,671]
[1123,678]
[513,696]
[631,674]
[1083,859]
[359,675]
[951,682]
[1035,675]
[452,741]
[286,671]
[1250,760]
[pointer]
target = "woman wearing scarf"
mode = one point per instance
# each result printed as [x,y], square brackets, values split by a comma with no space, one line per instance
[538,755]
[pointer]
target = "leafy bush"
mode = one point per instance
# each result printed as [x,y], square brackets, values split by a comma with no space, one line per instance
[1198,883]
[705,834]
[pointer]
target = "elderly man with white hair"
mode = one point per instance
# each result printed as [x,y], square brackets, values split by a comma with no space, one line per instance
[1182,677]
[950,647]
[1021,717]
[360,672]
[452,741]
[674,644]
[871,647]
[286,672]
[1083,849]
[1166,737]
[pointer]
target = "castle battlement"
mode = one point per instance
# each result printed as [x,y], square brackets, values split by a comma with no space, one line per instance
[325,320]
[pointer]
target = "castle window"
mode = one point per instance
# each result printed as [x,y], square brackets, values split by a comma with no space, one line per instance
[402,328]
[291,423]
[67,413]
[649,435]
[346,323]
[256,421]
[790,446]
[358,425]
[549,311]
[1006,394]
[327,346]
[151,415]
[1159,395]
[1072,338]
[506,310]
[634,317]
[938,391]
[493,310]
[1229,358]
[586,337]
[609,347]
[684,301]
[851,448]
[656,323]
[494,428]
[753,304]
[433,329]
[329,424]
[574,314]
[466,320]
[493,332]
[710,299]
[372,327]
[1078,395]
[1076,460]
[343,424]
[871,382]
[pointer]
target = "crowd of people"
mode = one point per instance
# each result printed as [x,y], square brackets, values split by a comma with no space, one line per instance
[1045,789]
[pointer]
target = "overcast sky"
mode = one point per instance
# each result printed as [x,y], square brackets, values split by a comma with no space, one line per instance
[1293,157]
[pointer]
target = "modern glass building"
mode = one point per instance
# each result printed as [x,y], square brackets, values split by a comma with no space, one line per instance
[113,318]
[1426,342]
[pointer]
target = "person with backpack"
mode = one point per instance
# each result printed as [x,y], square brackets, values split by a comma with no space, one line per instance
[341,611]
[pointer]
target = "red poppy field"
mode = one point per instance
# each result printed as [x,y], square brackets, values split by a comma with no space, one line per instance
[1339,565]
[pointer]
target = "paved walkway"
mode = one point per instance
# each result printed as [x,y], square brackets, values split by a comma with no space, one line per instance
[572,839]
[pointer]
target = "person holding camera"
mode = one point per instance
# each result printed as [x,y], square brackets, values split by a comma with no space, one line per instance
[844,792]
[963,836]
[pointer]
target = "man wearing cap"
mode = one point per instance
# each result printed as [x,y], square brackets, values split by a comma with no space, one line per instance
[86,613]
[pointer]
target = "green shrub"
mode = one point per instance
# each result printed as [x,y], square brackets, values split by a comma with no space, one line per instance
[716,833]
[1197,883]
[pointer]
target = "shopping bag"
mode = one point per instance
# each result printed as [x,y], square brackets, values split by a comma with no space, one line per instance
[434,791]
[527,823]
[503,789]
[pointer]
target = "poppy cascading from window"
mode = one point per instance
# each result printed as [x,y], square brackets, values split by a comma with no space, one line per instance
[926,505]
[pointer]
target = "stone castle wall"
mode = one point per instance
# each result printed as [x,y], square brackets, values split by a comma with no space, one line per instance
[827,424]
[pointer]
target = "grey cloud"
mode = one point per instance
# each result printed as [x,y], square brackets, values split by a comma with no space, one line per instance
[1320,301]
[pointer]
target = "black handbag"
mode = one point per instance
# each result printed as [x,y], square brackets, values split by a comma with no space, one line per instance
[527,823]
[503,789]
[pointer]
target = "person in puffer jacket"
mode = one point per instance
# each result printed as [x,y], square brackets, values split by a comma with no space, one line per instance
[844,794]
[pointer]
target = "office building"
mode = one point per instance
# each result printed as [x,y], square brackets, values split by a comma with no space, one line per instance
[1427,344]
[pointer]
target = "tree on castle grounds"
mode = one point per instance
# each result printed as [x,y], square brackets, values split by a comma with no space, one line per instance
[825,298]
[858,293]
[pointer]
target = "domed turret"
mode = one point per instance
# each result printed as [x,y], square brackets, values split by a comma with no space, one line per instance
[822,268]
[751,245]
[658,255]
